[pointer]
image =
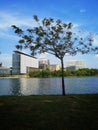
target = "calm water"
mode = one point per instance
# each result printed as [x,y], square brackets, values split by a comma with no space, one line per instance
[40,86]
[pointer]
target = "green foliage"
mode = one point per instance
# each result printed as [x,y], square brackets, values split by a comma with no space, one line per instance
[46,73]
[80,72]
[4,75]
[35,74]
[55,37]
[86,72]
[68,73]
[56,73]
[40,73]
[83,72]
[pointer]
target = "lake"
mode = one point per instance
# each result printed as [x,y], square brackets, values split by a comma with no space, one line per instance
[48,86]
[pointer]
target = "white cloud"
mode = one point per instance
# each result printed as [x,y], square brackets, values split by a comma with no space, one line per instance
[96,55]
[7,19]
[82,10]
[95,38]
[75,25]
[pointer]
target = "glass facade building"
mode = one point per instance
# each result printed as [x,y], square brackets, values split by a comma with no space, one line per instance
[21,63]
[75,64]
[44,63]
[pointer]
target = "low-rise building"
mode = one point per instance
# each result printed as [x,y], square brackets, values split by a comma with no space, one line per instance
[54,67]
[5,71]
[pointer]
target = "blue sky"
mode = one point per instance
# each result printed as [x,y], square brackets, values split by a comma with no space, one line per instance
[82,13]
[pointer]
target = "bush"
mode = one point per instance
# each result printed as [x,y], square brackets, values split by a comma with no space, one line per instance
[40,73]
[48,73]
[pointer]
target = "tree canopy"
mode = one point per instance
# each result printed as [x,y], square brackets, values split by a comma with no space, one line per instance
[54,37]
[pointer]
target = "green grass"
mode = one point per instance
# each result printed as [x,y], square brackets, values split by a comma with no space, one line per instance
[70,112]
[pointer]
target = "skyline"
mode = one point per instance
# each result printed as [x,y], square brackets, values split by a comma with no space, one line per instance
[82,13]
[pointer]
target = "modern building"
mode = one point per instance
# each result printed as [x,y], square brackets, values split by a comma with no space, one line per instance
[54,67]
[23,63]
[75,64]
[4,71]
[44,63]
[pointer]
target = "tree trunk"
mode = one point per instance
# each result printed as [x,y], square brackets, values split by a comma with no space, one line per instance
[63,85]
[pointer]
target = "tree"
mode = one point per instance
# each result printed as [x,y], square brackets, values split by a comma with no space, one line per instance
[54,37]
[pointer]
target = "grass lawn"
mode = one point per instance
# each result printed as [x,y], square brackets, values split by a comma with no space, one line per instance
[70,112]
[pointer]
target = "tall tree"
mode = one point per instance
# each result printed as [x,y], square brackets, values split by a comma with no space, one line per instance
[54,37]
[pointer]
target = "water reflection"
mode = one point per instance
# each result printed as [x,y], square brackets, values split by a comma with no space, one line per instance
[82,85]
[29,86]
[4,87]
[15,86]
[40,86]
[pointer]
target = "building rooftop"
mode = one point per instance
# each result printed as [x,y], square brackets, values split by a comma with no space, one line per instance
[24,54]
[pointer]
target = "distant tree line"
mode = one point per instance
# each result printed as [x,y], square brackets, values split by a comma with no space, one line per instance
[4,75]
[80,72]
